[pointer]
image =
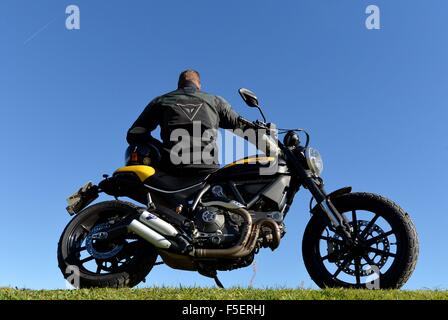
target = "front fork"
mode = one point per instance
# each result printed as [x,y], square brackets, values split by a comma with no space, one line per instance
[338,220]
[315,186]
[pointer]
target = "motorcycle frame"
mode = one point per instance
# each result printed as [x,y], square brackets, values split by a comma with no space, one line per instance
[300,176]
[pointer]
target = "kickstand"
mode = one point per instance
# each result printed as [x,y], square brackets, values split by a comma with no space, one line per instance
[218,283]
[210,273]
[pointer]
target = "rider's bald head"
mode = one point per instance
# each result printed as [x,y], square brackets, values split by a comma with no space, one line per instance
[189,76]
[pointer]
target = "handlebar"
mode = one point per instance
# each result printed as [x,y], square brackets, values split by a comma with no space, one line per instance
[246,122]
[261,125]
[254,124]
[267,139]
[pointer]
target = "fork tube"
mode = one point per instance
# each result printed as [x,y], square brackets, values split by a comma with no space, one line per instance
[318,193]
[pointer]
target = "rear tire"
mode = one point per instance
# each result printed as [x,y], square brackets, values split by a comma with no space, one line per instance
[405,256]
[142,254]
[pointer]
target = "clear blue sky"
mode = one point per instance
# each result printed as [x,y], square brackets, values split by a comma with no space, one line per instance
[374,101]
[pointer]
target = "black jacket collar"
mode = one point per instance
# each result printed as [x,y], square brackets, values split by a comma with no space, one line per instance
[189,86]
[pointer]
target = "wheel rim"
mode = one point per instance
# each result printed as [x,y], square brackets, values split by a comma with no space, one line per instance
[100,257]
[373,253]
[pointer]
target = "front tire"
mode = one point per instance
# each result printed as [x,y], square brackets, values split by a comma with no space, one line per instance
[383,258]
[115,264]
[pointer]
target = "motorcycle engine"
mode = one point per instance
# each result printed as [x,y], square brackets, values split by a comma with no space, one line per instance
[216,227]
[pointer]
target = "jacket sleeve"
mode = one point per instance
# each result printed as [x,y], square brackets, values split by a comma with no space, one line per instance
[228,118]
[149,119]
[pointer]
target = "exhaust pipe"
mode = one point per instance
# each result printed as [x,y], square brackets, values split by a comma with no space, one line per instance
[248,239]
[245,239]
[153,229]
[156,239]
[157,224]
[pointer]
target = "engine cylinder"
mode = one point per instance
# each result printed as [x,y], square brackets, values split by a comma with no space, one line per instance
[210,220]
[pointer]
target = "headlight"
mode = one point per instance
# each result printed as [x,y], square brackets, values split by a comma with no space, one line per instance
[314,161]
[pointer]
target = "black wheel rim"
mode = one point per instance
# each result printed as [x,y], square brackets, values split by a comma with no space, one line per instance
[373,253]
[101,257]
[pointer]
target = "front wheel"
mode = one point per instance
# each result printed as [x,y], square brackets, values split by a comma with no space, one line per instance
[88,261]
[384,252]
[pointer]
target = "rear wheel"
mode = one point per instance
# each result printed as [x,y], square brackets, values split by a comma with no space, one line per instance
[383,255]
[87,260]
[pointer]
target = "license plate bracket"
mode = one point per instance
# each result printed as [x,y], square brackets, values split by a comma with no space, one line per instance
[82,198]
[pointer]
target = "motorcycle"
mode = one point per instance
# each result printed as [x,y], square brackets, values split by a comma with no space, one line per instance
[220,221]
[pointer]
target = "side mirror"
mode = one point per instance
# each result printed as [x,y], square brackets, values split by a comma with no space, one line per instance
[249,97]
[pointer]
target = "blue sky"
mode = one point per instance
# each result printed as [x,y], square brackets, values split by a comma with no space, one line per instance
[374,102]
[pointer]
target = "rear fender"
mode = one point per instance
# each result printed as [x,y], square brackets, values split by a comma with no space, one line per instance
[124,184]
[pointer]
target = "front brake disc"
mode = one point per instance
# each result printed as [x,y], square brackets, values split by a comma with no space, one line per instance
[339,252]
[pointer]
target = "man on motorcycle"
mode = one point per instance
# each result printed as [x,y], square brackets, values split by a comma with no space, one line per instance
[183,110]
[219,222]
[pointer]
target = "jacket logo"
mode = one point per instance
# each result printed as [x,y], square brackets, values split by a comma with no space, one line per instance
[190,110]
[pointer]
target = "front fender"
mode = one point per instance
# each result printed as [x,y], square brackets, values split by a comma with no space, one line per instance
[333,195]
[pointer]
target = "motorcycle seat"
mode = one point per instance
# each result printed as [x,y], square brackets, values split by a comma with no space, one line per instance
[162,181]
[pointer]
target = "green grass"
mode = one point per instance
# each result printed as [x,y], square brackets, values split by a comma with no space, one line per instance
[220,294]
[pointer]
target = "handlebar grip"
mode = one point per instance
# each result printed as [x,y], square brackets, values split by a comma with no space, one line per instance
[245,121]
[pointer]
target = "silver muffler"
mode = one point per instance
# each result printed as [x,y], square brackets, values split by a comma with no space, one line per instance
[153,237]
[157,224]
[153,229]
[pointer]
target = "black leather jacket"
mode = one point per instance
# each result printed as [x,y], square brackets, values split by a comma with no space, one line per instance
[183,109]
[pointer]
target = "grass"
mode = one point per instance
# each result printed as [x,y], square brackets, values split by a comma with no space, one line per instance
[157,293]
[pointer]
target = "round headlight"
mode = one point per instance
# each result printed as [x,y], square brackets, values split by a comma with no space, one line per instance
[314,161]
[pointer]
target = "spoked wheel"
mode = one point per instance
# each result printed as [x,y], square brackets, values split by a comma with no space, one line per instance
[89,258]
[384,251]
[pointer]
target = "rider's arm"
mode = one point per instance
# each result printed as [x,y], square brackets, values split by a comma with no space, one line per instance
[148,120]
[245,129]
[229,119]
